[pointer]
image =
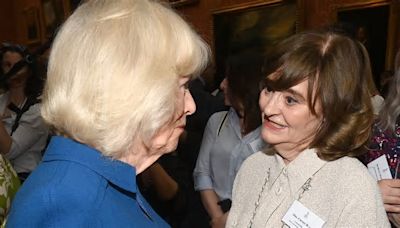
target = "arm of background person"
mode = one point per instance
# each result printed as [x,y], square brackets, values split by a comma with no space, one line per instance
[202,172]
[220,222]
[5,140]
[210,201]
[31,128]
[165,186]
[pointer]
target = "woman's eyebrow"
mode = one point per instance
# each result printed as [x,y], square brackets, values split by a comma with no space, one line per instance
[295,93]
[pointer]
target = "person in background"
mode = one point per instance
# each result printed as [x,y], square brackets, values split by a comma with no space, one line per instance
[116,96]
[360,34]
[207,104]
[9,185]
[376,99]
[23,133]
[165,185]
[317,116]
[230,137]
[385,140]
[385,81]
[182,163]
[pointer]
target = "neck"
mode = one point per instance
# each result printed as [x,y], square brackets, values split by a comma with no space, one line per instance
[16,95]
[288,159]
[139,157]
[289,154]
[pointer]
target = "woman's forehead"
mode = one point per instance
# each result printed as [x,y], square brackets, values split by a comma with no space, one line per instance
[12,57]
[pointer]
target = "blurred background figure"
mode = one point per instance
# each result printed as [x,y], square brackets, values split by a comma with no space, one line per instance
[385,81]
[360,34]
[376,99]
[23,133]
[207,104]
[166,186]
[385,141]
[230,136]
[116,96]
[9,184]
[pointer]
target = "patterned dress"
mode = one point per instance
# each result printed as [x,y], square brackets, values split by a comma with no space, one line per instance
[385,143]
[9,184]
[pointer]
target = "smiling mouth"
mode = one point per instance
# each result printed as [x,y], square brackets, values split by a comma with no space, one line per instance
[273,124]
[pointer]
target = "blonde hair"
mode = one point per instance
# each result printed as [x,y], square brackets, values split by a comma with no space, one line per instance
[390,112]
[114,70]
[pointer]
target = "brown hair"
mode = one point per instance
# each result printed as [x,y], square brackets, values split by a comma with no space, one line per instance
[243,73]
[335,67]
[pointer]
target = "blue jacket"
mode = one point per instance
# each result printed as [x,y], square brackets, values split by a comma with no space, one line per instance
[75,186]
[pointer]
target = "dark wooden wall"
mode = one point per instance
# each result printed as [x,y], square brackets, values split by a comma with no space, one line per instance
[313,14]
[13,20]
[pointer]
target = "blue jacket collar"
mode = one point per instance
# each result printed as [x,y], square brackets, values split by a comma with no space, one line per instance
[61,148]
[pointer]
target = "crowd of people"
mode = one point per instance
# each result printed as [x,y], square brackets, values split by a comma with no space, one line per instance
[109,136]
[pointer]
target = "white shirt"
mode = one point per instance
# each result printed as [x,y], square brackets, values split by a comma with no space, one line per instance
[28,140]
[222,152]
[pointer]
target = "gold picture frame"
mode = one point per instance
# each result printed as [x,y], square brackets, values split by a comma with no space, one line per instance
[178,3]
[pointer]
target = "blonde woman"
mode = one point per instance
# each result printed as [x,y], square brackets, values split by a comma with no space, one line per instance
[116,96]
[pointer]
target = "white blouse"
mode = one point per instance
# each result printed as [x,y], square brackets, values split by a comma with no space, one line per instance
[222,152]
[28,140]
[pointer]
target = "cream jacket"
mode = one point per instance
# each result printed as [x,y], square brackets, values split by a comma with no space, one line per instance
[342,193]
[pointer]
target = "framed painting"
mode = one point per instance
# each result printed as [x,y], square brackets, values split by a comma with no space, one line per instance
[252,30]
[375,27]
[32,25]
[54,14]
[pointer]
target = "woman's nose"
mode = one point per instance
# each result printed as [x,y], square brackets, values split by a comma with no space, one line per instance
[190,105]
[269,102]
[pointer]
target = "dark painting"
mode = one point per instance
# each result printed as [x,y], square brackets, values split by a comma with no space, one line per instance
[370,27]
[252,31]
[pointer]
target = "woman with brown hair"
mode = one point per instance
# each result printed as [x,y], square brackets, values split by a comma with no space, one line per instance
[317,116]
[230,136]
[23,133]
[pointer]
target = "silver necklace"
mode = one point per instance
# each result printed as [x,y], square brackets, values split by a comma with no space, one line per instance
[257,203]
[305,187]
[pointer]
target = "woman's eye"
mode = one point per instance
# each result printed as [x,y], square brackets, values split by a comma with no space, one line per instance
[185,86]
[291,100]
[267,89]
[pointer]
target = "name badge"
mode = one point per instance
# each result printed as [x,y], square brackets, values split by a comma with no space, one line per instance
[379,168]
[298,216]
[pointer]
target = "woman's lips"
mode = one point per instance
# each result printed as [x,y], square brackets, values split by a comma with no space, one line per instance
[272,125]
